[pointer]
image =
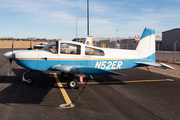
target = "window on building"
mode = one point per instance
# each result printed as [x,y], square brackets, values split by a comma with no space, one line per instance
[93,51]
[68,48]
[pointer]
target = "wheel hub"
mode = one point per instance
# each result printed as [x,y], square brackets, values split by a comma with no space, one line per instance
[28,80]
[73,84]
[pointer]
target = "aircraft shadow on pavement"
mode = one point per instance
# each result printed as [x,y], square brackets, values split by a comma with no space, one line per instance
[134,74]
[13,90]
[16,91]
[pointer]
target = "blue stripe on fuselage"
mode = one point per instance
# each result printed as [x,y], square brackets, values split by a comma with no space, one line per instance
[46,65]
[26,63]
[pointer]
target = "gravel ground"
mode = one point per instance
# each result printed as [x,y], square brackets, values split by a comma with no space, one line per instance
[168,60]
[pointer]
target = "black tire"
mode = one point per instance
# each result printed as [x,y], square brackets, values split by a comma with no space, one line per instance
[64,76]
[29,81]
[72,84]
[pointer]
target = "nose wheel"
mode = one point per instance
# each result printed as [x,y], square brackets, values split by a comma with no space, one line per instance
[28,81]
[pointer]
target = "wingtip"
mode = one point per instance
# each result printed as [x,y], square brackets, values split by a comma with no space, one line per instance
[166,66]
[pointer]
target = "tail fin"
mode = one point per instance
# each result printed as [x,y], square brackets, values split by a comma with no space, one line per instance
[146,46]
[89,40]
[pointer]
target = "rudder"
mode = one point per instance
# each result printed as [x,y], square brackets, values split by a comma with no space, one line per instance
[146,46]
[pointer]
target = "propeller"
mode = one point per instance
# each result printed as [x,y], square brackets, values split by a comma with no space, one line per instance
[9,68]
[10,58]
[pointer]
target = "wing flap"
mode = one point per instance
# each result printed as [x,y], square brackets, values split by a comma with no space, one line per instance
[64,68]
[160,65]
[96,71]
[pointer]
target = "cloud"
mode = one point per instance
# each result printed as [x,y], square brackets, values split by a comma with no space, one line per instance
[128,17]
[148,10]
[42,11]
[23,5]
[101,27]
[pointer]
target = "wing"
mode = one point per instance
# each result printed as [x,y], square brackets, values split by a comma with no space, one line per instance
[84,70]
[160,65]
[64,68]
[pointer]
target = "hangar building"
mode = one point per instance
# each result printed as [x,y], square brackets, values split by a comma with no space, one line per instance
[169,38]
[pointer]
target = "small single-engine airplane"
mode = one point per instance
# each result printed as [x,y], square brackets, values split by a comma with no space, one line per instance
[73,58]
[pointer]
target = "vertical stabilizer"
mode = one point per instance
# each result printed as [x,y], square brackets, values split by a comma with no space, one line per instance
[146,46]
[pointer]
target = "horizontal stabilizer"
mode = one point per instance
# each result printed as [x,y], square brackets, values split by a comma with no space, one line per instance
[160,65]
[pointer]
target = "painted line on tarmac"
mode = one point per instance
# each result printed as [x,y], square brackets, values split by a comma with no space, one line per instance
[160,80]
[118,82]
[63,91]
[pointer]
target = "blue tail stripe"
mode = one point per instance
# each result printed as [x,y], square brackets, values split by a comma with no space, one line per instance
[147,32]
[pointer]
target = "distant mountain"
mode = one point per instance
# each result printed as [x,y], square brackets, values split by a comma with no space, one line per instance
[32,38]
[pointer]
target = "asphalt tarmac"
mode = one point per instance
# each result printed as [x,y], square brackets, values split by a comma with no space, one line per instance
[140,96]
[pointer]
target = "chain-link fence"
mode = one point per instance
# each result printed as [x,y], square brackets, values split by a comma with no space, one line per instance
[131,45]
[168,56]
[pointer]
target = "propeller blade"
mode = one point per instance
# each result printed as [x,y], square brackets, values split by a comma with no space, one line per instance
[9,68]
[12,45]
[10,59]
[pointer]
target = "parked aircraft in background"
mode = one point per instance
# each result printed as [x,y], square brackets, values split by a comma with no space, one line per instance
[39,46]
[73,58]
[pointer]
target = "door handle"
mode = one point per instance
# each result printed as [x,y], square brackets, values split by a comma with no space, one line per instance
[44,58]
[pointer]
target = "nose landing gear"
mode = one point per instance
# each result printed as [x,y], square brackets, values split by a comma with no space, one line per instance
[28,80]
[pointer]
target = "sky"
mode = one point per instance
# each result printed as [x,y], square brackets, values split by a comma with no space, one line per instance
[56,19]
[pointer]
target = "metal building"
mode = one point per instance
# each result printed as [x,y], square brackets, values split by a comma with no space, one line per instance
[169,39]
[103,43]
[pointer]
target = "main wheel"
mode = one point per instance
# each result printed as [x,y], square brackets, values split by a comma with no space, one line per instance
[72,84]
[29,81]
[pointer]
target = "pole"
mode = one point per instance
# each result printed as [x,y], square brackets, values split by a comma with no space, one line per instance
[175,51]
[76,29]
[87,17]
[117,33]
[158,50]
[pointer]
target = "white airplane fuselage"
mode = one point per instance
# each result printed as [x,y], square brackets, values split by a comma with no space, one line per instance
[73,58]
[88,59]
[110,59]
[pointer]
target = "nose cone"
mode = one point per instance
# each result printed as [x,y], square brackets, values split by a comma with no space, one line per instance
[8,54]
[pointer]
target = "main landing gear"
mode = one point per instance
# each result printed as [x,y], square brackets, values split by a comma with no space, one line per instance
[72,82]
